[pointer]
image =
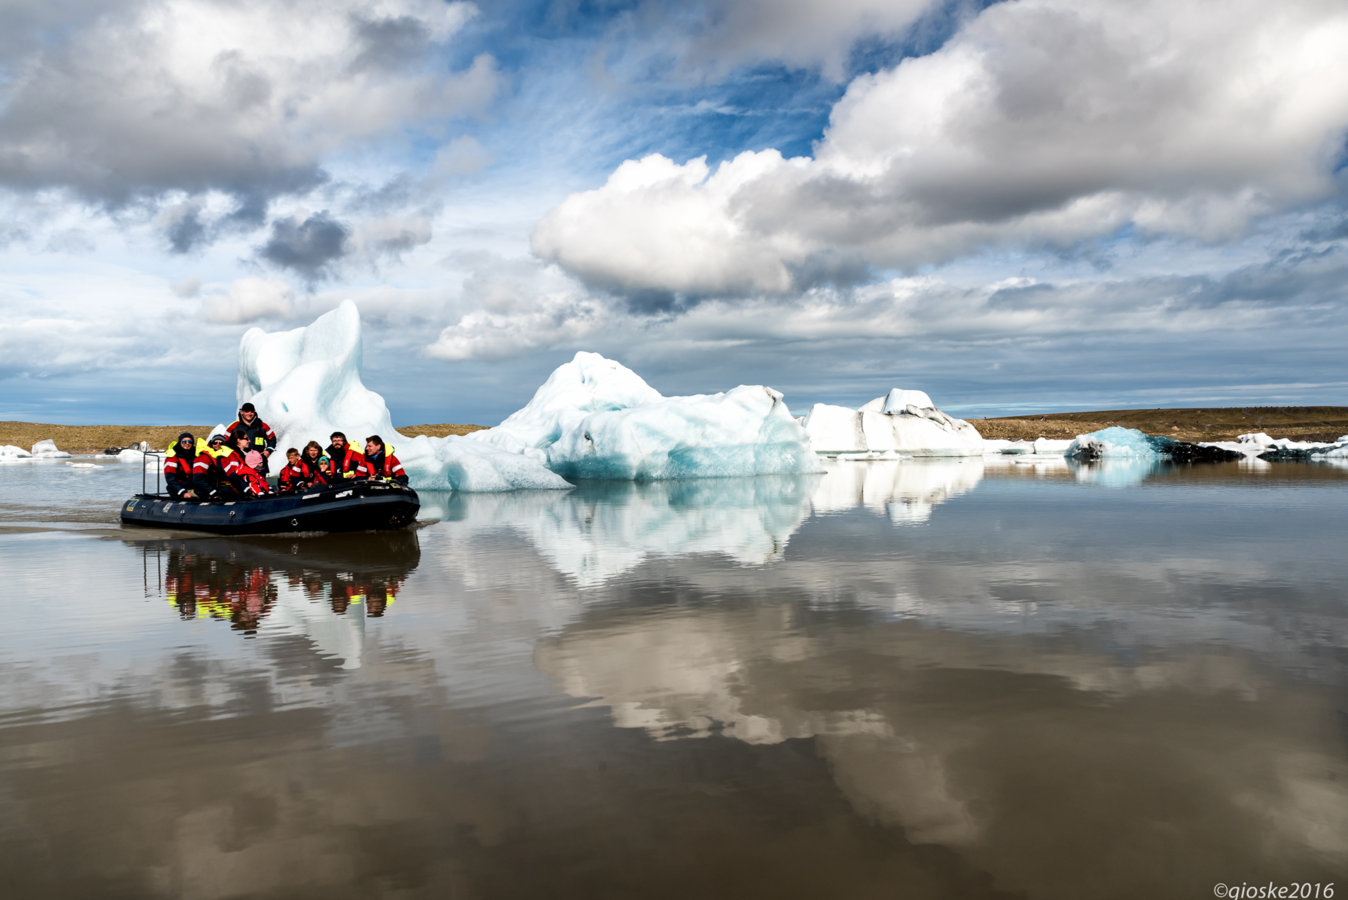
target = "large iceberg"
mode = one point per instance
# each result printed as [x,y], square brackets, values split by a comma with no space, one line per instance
[904,422]
[592,418]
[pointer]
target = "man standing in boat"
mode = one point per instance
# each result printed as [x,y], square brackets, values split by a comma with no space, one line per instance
[381,462]
[259,438]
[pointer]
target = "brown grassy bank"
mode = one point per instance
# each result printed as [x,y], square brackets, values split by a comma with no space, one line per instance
[1302,423]
[97,438]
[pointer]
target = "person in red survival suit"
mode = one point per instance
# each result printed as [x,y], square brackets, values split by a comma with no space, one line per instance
[178,463]
[248,481]
[208,471]
[343,461]
[315,464]
[292,477]
[258,434]
[381,462]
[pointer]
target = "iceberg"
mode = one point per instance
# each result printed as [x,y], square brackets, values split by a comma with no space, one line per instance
[904,422]
[9,451]
[592,418]
[1117,442]
[48,450]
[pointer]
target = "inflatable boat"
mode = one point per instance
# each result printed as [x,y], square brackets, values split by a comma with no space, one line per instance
[353,506]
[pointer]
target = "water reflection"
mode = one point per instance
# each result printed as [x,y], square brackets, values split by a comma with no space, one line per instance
[321,587]
[905,491]
[605,528]
[751,687]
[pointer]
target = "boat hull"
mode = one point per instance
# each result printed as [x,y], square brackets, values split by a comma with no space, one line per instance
[358,506]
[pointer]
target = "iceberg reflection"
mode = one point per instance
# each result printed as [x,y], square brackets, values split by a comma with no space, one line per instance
[604,528]
[905,491]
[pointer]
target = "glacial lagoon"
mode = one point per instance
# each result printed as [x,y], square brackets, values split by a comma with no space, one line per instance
[965,678]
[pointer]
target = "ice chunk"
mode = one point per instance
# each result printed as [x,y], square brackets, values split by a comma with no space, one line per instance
[1117,442]
[48,450]
[1114,442]
[9,451]
[592,418]
[904,421]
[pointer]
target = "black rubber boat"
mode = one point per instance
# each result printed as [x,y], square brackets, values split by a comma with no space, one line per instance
[353,506]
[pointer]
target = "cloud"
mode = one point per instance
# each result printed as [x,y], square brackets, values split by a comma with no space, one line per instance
[1040,124]
[249,299]
[515,308]
[804,33]
[187,288]
[308,246]
[392,236]
[244,97]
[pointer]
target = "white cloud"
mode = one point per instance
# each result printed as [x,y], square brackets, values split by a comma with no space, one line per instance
[242,96]
[249,299]
[1042,123]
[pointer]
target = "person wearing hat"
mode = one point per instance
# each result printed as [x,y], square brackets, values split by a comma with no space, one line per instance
[257,434]
[178,464]
[208,471]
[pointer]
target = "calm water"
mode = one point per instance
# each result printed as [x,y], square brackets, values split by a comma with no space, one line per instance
[893,680]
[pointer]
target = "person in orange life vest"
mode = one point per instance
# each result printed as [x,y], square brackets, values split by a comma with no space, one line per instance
[178,463]
[381,462]
[258,434]
[208,473]
[245,479]
[292,477]
[343,460]
[315,464]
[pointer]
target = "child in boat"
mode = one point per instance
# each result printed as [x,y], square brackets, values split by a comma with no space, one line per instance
[292,477]
[248,481]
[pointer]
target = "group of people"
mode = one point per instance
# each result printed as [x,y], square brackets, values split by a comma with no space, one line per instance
[233,463]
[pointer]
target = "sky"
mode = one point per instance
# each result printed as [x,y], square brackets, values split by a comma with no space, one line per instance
[1018,206]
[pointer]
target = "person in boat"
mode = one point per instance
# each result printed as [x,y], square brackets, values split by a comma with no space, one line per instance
[381,462]
[243,479]
[208,471]
[292,474]
[315,464]
[258,437]
[178,464]
[343,460]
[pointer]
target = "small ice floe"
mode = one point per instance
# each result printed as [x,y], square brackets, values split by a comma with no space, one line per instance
[82,465]
[1037,447]
[48,450]
[1258,444]
[9,451]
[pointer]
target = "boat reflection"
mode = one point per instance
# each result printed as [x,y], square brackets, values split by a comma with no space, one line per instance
[321,587]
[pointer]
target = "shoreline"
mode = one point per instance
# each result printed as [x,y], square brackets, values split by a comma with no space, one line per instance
[1301,423]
